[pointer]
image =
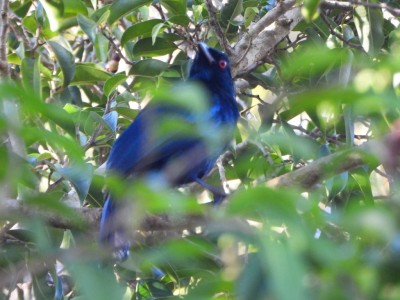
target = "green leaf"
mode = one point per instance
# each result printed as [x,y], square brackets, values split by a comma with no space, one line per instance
[88,73]
[369,25]
[20,9]
[145,47]
[182,20]
[112,83]
[88,26]
[142,29]
[54,11]
[103,16]
[361,178]
[66,61]
[120,8]
[310,9]
[74,7]
[101,47]
[249,15]
[31,75]
[174,7]
[14,59]
[148,67]
[80,176]
[155,31]
[231,10]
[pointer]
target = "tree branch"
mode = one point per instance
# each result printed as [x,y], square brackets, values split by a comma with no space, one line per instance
[4,68]
[371,153]
[264,35]
[349,5]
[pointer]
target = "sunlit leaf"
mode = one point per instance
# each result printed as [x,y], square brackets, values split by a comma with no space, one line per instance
[155,31]
[54,10]
[74,7]
[143,29]
[310,9]
[369,25]
[175,7]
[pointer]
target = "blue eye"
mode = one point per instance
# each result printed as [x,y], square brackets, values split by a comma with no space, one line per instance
[222,63]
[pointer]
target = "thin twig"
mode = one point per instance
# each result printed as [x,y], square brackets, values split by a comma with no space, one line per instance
[117,49]
[217,28]
[339,36]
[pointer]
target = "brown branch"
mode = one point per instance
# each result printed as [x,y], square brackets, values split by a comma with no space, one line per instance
[264,35]
[339,36]
[370,153]
[88,218]
[4,67]
[349,5]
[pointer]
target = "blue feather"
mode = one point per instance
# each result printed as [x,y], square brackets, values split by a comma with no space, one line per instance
[181,156]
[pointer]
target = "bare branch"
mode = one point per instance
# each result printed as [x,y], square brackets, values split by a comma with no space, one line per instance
[349,5]
[339,36]
[264,35]
[370,153]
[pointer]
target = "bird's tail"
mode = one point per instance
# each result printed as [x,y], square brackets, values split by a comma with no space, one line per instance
[112,232]
[113,235]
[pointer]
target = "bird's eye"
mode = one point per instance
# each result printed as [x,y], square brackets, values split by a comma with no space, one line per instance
[222,63]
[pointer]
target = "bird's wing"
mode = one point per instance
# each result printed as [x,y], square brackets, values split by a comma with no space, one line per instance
[141,149]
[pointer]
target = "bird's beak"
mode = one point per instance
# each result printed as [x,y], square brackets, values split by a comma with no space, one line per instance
[204,49]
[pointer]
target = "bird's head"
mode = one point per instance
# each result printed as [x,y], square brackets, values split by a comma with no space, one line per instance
[211,67]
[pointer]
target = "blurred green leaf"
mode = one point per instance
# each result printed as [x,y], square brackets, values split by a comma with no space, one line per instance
[369,25]
[92,284]
[310,9]
[54,11]
[80,176]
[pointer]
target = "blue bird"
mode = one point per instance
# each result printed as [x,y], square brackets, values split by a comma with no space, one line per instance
[180,156]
